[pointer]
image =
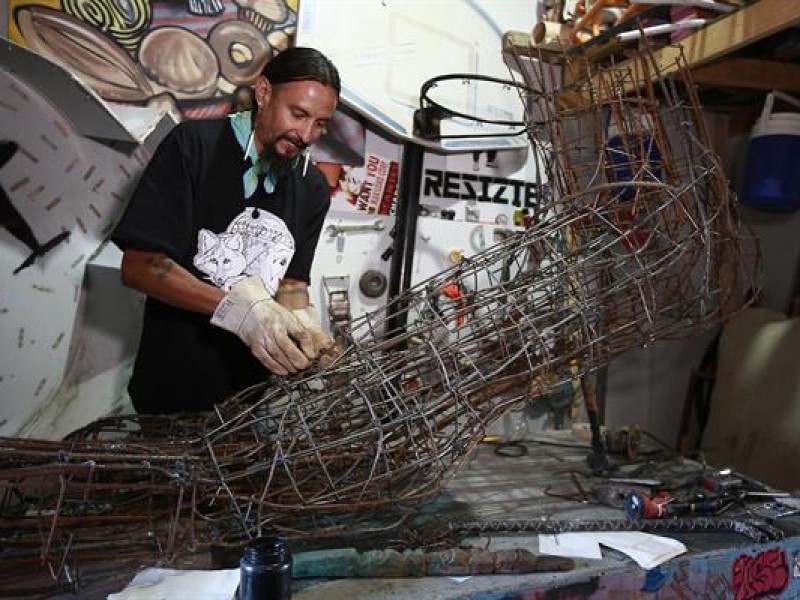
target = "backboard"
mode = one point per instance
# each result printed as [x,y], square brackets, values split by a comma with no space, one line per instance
[386,50]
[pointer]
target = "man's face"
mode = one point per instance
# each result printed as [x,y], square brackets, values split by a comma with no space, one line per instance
[291,116]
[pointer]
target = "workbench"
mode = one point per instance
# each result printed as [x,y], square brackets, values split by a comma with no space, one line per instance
[550,480]
[494,487]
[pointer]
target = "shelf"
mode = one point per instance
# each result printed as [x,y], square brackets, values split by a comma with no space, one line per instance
[705,51]
[725,55]
[730,33]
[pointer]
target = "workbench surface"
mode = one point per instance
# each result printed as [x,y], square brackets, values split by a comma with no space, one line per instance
[495,487]
[548,480]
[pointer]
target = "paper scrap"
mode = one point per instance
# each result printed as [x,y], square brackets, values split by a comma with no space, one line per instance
[646,549]
[175,584]
[573,545]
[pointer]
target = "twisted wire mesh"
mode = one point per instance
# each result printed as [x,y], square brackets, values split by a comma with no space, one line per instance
[637,242]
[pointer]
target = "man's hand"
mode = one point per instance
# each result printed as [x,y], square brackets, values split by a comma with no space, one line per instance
[325,349]
[274,335]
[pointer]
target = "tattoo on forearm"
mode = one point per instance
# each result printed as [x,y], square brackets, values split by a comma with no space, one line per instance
[162,266]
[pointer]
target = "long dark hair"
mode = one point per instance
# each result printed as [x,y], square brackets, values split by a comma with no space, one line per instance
[302,64]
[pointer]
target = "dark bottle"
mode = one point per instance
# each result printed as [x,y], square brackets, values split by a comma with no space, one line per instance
[265,570]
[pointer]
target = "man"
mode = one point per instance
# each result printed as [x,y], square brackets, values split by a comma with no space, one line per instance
[220,235]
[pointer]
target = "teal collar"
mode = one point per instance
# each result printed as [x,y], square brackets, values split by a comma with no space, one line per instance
[242,124]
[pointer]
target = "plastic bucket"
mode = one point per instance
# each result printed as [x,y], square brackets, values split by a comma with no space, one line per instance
[772,174]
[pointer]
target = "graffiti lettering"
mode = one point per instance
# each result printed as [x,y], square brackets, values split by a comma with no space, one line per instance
[761,575]
[467,186]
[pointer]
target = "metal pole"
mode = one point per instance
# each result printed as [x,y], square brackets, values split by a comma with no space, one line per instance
[404,235]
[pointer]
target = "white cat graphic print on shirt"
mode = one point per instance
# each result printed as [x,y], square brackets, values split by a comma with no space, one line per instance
[255,242]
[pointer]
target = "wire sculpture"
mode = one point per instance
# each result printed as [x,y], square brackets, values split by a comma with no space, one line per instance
[637,241]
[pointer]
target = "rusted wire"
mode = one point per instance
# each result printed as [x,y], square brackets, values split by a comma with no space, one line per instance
[638,242]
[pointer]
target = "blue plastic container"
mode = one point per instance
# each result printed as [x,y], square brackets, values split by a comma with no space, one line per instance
[772,175]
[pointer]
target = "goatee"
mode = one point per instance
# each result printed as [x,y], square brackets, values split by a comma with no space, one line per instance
[280,165]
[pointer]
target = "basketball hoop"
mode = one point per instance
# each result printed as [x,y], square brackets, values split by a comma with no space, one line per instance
[489,101]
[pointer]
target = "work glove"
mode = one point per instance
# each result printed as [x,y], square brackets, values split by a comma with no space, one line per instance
[274,335]
[326,350]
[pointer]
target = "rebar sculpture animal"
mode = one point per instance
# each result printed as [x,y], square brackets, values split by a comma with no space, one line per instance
[638,243]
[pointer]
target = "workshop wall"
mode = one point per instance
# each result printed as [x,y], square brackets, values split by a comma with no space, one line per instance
[755,403]
[469,201]
[385,56]
[645,387]
[387,51]
[68,165]
[89,379]
[351,268]
[649,386]
[755,407]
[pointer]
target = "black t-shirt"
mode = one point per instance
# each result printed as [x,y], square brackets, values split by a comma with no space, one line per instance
[190,205]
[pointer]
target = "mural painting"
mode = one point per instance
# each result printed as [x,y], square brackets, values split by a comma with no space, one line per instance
[195,57]
[190,53]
